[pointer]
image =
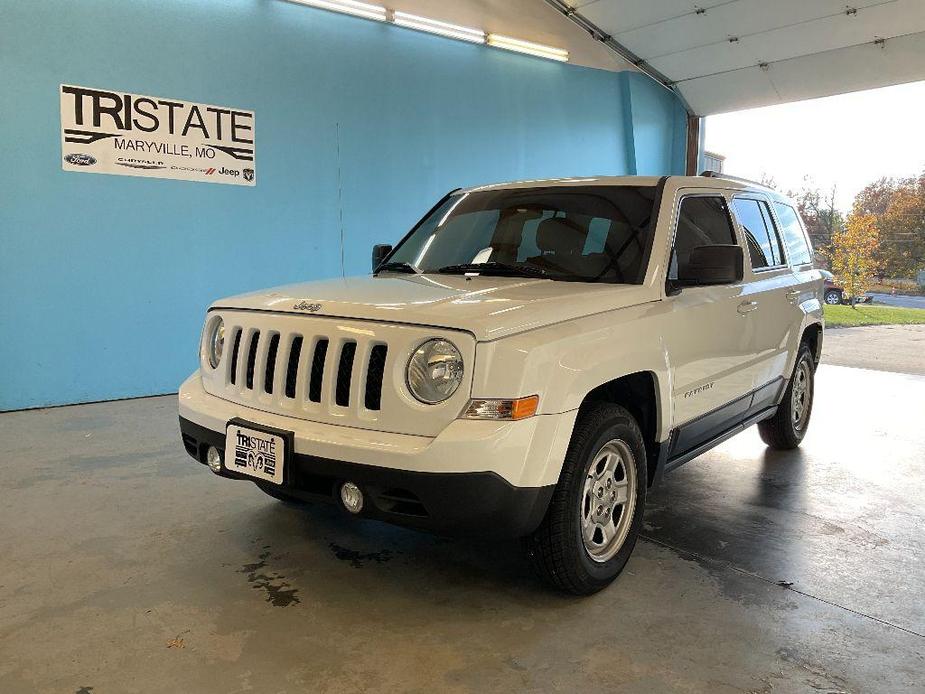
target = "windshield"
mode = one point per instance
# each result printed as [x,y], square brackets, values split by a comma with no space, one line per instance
[578,234]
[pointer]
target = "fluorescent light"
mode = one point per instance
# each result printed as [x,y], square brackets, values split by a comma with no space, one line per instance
[527,47]
[354,7]
[453,31]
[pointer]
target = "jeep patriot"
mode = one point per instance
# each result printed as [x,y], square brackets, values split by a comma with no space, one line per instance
[526,362]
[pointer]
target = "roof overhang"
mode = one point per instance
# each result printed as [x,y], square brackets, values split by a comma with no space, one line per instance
[727,55]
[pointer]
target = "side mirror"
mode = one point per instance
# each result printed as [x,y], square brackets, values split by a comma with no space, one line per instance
[720,264]
[380,251]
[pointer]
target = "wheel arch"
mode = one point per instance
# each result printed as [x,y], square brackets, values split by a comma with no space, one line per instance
[812,337]
[638,393]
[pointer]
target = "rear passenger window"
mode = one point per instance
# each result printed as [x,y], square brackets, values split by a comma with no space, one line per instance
[797,245]
[764,247]
[703,220]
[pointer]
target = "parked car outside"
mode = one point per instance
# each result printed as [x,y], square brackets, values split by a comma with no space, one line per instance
[834,294]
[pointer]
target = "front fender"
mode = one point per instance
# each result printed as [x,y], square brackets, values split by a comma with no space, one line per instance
[562,363]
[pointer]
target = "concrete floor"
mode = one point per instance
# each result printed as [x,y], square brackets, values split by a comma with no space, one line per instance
[126,567]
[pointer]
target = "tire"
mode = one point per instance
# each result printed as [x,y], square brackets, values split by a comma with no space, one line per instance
[786,429]
[282,496]
[833,297]
[558,550]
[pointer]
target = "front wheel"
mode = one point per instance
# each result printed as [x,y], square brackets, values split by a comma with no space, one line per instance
[595,514]
[833,297]
[786,429]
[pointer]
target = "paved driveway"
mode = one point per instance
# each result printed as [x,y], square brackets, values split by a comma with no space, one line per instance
[899,348]
[899,300]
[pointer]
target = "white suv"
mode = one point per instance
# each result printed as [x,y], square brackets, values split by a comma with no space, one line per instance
[526,362]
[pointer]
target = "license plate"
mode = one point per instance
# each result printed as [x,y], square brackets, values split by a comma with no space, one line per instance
[255,453]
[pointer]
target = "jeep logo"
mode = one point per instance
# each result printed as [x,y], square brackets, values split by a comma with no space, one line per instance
[229,172]
[80,159]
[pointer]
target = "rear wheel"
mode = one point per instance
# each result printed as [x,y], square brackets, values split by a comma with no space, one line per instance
[595,514]
[786,429]
[833,297]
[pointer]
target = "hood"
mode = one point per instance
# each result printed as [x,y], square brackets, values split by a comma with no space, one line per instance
[487,307]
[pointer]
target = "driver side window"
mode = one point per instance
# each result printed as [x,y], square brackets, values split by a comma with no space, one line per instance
[703,220]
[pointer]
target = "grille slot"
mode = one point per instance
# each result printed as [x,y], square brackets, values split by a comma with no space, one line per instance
[344,374]
[317,376]
[251,360]
[292,370]
[270,371]
[374,373]
[234,355]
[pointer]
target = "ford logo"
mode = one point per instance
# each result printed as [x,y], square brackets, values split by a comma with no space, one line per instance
[80,159]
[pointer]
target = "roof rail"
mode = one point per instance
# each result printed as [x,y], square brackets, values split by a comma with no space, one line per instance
[715,174]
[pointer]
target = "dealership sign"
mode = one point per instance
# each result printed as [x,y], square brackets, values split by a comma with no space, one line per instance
[135,135]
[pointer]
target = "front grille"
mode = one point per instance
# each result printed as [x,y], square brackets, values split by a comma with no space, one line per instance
[328,370]
[294,366]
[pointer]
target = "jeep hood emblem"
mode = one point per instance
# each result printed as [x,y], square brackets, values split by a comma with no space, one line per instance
[305,306]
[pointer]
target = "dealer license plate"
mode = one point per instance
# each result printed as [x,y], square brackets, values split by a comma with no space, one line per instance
[255,453]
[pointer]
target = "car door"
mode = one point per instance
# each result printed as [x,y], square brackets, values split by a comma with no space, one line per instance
[805,293]
[769,293]
[707,340]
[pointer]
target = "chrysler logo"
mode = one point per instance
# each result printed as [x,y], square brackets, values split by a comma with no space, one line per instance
[305,306]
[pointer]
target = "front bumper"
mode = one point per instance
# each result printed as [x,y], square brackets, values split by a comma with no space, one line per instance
[475,477]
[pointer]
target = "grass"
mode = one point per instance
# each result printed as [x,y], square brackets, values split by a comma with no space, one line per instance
[847,317]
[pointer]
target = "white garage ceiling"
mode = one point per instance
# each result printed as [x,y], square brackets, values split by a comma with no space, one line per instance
[726,55]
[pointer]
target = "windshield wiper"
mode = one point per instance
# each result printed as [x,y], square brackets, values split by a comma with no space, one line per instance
[493,268]
[397,267]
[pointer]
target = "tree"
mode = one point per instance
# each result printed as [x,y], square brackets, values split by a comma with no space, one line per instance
[899,208]
[819,213]
[852,253]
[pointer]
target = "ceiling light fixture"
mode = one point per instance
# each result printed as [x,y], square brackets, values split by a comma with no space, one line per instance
[528,47]
[432,26]
[357,9]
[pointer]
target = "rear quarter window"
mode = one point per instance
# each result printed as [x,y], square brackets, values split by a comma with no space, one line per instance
[797,244]
[764,245]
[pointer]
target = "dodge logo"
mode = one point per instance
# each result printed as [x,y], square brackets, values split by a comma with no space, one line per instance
[305,306]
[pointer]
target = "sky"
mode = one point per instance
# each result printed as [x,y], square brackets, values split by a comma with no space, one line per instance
[847,141]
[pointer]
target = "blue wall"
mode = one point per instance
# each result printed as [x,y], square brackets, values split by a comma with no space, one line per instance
[104,279]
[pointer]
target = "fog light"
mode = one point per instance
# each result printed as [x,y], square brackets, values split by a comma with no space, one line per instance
[214,459]
[352,497]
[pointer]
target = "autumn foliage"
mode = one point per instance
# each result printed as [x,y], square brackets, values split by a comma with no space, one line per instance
[853,252]
[899,209]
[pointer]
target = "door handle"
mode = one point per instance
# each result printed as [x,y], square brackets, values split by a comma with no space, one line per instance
[747,307]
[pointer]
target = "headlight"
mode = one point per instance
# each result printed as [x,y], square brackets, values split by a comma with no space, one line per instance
[435,371]
[215,342]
